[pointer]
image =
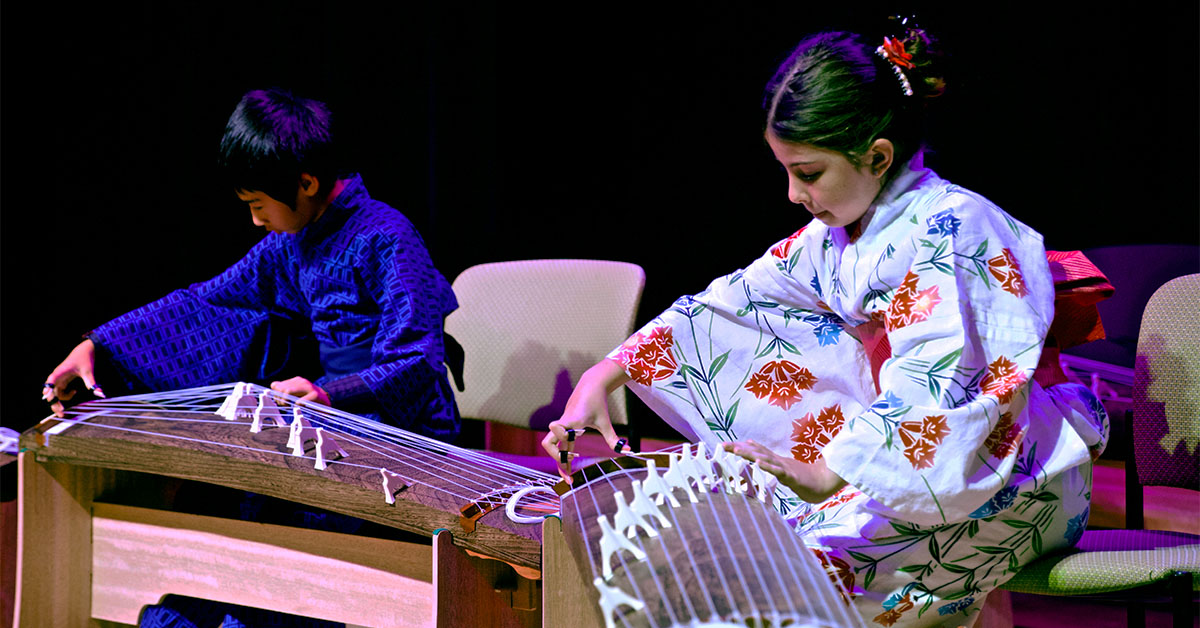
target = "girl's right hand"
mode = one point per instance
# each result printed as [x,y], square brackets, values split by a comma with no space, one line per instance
[587,408]
[81,364]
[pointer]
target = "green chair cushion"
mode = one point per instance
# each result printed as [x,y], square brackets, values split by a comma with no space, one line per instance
[1092,572]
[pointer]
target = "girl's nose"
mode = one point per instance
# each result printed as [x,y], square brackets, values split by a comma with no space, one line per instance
[798,192]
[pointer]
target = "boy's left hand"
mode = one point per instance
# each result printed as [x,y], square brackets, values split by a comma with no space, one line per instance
[302,388]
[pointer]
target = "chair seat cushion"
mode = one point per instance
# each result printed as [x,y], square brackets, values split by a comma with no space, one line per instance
[1111,560]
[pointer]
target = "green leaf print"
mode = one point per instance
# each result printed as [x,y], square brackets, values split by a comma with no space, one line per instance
[717,364]
[689,370]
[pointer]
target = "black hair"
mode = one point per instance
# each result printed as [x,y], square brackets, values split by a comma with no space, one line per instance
[274,136]
[836,92]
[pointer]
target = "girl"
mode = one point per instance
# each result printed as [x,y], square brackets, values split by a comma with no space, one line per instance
[880,361]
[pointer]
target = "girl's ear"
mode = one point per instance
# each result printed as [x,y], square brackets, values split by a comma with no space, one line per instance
[880,156]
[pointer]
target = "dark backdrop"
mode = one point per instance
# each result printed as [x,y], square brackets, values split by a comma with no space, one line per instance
[623,131]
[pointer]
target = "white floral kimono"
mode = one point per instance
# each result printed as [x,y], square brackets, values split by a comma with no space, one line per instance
[961,468]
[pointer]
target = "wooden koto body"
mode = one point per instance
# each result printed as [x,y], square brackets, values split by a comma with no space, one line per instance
[227,453]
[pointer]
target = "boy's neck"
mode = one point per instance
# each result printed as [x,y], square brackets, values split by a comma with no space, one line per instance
[337,188]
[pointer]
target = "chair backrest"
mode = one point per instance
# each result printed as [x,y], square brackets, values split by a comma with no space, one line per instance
[529,329]
[1166,387]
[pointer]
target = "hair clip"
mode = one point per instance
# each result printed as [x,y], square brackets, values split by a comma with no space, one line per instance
[893,51]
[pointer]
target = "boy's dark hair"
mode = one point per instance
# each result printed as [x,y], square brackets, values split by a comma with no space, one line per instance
[835,92]
[272,137]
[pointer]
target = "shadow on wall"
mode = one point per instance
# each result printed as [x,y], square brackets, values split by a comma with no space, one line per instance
[1166,413]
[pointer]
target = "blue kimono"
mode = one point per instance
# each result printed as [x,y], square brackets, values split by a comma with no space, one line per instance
[352,302]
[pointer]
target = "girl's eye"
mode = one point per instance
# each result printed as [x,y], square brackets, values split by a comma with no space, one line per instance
[808,178]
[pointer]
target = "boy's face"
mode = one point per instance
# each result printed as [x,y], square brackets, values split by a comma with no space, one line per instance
[274,215]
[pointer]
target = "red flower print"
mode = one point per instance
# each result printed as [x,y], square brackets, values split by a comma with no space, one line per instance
[1002,379]
[1007,271]
[910,306]
[934,428]
[1005,438]
[810,434]
[780,382]
[920,454]
[648,358]
[924,301]
[839,573]
[844,494]
[831,419]
[921,438]
[784,249]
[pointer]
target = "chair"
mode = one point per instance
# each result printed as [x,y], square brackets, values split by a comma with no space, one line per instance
[1138,566]
[528,330]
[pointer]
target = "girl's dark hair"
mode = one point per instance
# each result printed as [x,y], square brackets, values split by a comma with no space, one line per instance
[272,137]
[835,92]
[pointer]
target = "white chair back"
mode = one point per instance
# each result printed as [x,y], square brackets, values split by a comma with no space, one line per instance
[530,328]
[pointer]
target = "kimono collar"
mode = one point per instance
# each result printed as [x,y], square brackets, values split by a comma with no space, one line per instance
[352,196]
[897,195]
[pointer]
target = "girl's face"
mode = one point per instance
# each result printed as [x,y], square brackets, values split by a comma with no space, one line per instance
[833,189]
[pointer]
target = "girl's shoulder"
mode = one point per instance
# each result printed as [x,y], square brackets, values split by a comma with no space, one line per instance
[951,209]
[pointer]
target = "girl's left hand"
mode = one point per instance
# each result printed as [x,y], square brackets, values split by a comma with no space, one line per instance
[814,483]
[302,388]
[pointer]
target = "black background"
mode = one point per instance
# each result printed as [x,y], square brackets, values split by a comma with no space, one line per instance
[529,130]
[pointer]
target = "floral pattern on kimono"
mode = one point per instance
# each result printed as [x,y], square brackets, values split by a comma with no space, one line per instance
[961,468]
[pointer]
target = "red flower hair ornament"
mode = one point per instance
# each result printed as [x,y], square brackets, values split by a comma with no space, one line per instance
[894,52]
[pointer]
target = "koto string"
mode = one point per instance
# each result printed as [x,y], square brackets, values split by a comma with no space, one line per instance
[666,551]
[705,594]
[773,530]
[204,401]
[472,490]
[762,582]
[620,557]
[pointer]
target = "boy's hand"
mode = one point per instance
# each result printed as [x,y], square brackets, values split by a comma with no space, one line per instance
[80,364]
[302,388]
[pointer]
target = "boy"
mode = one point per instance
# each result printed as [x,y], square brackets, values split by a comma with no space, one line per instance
[339,304]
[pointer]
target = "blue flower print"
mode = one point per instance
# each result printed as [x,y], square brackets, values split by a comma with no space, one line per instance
[1075,527]
[943,223]
[1099,412]
[955,607]
[889,402]
[688,306]
[997,504]
[816,286]
[826,328]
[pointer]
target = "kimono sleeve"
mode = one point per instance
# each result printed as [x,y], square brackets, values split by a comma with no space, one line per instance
[213,332]
[966,325]
[691,364]
[406,382]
